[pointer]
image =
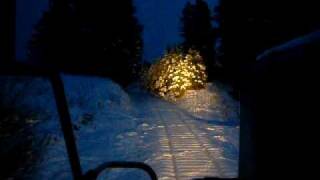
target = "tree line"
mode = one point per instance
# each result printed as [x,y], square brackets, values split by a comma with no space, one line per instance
[105,37]
[100,37]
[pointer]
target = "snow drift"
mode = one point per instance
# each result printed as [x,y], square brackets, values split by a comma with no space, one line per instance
[98,108]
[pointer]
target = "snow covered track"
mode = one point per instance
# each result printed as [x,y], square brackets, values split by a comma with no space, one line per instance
[196,137]
[185,150]
[190,156]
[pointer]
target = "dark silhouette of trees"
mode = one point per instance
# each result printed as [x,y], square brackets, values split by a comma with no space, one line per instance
[248,28]
[100,37]
[113,35]
[54,37]
[198,32]
[231,34]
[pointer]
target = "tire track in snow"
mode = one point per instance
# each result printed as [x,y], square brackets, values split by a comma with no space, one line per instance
[184,148]
[170,146]
[188,151]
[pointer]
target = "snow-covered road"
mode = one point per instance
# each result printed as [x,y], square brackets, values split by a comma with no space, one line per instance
[195,137]
[185,147]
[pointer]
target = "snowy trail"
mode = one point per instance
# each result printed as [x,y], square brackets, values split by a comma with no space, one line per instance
[185,147]
[198,139]
[188,151]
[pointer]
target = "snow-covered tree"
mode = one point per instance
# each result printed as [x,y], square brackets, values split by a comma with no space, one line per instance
[175,73]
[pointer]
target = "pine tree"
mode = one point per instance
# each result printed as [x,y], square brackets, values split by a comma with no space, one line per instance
[53,37]
[113,36]
[198,32]
[98,37]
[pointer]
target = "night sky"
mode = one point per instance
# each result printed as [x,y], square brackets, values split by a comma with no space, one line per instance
[160,18]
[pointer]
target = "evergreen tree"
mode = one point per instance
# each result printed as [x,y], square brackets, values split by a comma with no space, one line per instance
[53,37]
[112,36]
[198,32]
[99,37]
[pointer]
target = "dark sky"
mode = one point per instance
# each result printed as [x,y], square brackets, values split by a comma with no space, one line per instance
[160,19]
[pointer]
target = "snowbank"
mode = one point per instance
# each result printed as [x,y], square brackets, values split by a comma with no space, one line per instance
[98,109]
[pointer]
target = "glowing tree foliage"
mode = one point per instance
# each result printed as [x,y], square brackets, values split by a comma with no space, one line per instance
[175,73]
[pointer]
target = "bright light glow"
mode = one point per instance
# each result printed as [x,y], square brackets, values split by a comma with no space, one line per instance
[175,73]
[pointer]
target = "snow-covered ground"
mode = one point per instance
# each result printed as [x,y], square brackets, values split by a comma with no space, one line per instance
[196,137]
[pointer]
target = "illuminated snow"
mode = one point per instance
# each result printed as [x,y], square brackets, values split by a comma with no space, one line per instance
[191,138]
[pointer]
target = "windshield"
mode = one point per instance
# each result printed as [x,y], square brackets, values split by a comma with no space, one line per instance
[144,81]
